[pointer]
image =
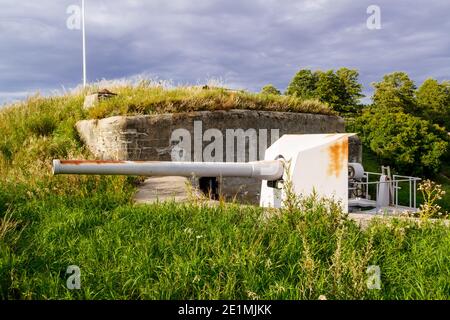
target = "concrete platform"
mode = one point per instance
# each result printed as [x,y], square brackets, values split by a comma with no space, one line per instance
[161,189]
[370,207]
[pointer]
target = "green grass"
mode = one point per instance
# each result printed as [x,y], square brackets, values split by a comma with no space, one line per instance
[191,251]
[228,252]
[143,99]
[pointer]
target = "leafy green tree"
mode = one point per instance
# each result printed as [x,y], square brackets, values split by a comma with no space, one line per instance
[433,99]
[340,89]
[329,89]
[303,85]
[406,142]
[270,89]
[396,92]
[352,92]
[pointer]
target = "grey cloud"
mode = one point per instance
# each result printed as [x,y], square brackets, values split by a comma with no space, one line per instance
[246,43]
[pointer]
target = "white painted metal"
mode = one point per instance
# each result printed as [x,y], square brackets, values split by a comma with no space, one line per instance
[264,170]
[384,192]
[315,162]
[356,171]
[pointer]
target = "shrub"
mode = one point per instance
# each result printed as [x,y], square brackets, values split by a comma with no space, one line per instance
[408,143]
[270,89]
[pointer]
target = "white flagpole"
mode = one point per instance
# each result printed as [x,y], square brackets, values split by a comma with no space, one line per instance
[84,42]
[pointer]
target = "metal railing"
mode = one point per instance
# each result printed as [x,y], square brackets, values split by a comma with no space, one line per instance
[412,183]
[395,187]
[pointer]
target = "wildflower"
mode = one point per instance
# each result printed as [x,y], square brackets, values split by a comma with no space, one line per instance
[431,192]
[252,295]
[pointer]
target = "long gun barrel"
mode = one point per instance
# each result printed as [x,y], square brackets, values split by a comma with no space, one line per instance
[263,170]
[318,163]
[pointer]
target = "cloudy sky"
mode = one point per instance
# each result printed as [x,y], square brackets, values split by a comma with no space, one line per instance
[245,43]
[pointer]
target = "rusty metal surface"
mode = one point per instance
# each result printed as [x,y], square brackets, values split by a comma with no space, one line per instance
[264,170]
[317,163]
[338,154]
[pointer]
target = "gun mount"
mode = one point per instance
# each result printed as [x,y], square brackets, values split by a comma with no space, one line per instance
[311,162]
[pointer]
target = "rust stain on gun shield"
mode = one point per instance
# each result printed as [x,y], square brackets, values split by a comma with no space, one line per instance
[338,153]
[80,162]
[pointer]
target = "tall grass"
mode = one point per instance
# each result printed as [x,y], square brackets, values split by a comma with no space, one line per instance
[184,251]
[144,99]
[171,251]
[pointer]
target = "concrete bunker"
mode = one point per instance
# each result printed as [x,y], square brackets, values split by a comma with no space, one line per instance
[230,136]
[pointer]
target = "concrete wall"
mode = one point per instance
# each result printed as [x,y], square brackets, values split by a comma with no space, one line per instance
[152,138]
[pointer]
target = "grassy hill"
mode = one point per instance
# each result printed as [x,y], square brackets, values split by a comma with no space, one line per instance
[189,251]
[150,99]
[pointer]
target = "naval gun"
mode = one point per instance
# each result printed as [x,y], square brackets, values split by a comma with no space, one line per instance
[311,162]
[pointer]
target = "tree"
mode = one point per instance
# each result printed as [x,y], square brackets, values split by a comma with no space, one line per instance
[329,89]
[340,89]
[406,142]
[433,99]
[270,89]
[303,85]
[352,88]
[396,92]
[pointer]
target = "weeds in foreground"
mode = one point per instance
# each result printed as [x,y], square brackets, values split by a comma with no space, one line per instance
[431,193]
